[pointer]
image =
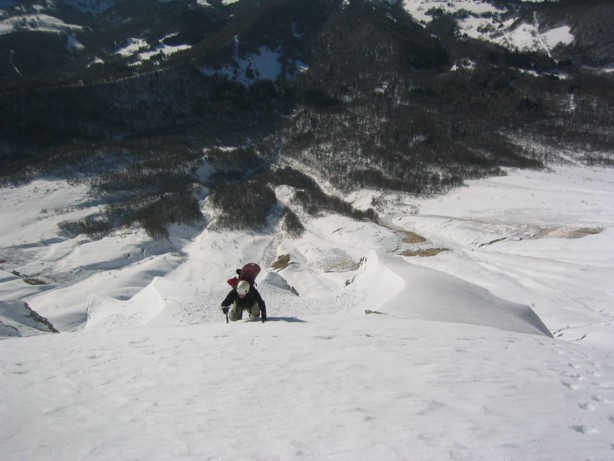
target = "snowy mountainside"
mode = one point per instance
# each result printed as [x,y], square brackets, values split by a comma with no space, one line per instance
[441,357]
[394,87]
[392,389]
[475,324]
[101,26]
[520,253]
[394,84]
[486,21]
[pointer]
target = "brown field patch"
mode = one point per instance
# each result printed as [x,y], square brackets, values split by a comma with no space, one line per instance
[281,262]
[412,237]
[583,232]
[424,252]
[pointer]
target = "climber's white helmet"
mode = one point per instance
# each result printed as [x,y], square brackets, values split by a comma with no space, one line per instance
[243,288]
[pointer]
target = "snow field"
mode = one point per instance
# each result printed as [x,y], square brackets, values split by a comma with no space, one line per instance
[336,387]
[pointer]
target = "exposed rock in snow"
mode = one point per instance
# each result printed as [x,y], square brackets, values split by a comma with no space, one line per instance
[18,319]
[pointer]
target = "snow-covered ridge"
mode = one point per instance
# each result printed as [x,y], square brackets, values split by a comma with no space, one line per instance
[421,294]
[106,279]
[385,284]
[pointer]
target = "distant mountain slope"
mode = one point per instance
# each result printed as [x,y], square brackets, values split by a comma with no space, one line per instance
[410,96]
[565,29]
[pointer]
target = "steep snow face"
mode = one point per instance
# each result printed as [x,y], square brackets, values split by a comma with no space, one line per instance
[339,387]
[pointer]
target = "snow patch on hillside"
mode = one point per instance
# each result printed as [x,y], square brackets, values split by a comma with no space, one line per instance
[484,21]
[558,36]
[36,22]
[422,10]
[262,65]
[140,50]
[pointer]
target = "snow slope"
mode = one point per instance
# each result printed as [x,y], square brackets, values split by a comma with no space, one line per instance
[539,238]
[455,359]
[339,387]
[478,19]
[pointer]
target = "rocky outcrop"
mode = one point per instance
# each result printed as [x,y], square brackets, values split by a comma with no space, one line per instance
[17,318]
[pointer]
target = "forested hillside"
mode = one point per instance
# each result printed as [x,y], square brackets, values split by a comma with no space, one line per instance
[353,94]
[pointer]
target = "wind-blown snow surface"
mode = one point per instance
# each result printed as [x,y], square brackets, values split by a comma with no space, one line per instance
[454,363]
